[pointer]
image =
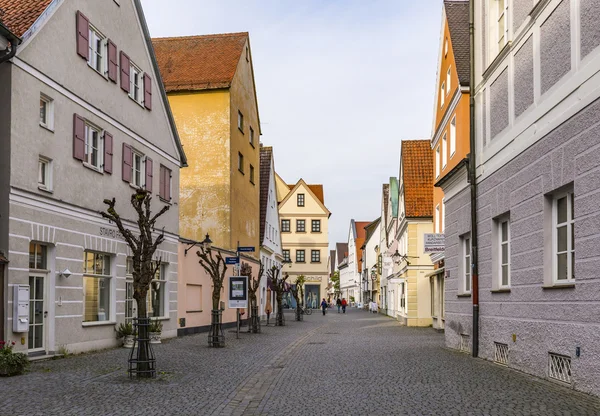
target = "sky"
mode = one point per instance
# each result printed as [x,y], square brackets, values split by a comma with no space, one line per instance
[339,83]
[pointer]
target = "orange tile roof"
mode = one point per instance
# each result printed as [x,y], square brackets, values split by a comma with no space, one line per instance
[19,15]
[316,189]
[193,63]
[417,173]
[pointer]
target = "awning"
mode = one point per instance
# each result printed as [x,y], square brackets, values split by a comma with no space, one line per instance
[436,271]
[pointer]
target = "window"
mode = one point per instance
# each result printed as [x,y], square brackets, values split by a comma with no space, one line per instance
[564,237]
[286,255]
[252,136]
[300,200]
[97,50]
[45,174]
[155,301]
[446,47]
[240,121]
[165,183]
[299,256]
[247,54]
[502,24]
[252,174]
[442,94]
[96,287]
[437,162]
[315,256]
[437,219]
[453,136]
[93,147]
[240,162]
[444,151]
[137,170]
[37,256]
[504,255]
[136,77]
[285,226]
[46,112]
[300,226]
[466,251]
[316,226]
[443,227]
[448,80]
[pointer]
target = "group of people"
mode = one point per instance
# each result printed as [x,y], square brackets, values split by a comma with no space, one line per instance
[342,303]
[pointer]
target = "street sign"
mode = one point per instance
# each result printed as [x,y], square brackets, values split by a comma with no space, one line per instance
[232,260]
[434,243]
[246,249]
[238,292]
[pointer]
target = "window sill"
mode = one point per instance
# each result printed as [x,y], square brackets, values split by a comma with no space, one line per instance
[165,201]
[559,286]
[98,323]
[141,104]
[98,72]
[44,189]
[463,295]
[501,290]
[94,168]
[316,232]
[45,127]
[241,129]
[198,311]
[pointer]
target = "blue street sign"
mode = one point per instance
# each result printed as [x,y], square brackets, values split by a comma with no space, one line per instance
[232,260]
[246,249]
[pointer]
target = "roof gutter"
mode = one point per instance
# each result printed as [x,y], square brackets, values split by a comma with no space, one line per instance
[8,53]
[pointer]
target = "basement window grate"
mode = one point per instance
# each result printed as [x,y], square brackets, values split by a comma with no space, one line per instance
[501,353]
[559,367]
[464,343]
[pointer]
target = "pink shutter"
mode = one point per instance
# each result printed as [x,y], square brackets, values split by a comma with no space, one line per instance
[108,152]
[127,162]
[78,137]
[167,184]
[147,92]
[112,61]
[149,175]
[161,182]
[83,35]
[125,72]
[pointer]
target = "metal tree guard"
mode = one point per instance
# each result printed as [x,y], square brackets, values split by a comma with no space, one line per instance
[255,324]
[216,336]
[142,362]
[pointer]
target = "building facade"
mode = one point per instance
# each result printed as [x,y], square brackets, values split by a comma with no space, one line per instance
[82,119]
[391,268]
[351,279]
[370,256]
[537,137]
[304,221]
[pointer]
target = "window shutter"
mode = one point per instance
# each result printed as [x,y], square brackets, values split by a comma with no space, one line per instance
[147,92]
[78,137]
[112,61]
[149,174]
[108,152]
[125,72]
[167,184]
[127,162]
[161,186]
[83,34]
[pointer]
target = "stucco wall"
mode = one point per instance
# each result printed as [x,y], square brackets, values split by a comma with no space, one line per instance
[524,77]
[555,57]
[590,30]
[520,11]
[5,125]
[499,104]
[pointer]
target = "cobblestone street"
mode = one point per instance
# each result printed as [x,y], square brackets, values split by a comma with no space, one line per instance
[357,363]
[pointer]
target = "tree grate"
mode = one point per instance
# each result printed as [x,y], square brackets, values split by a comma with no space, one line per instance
[559,367]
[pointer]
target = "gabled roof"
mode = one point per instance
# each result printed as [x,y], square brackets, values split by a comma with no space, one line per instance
[371,229]
[19,15]
[457,16]
[196,63]
[361,234]
[316,189]
[266,154]
[318,196]
[341,251]
[417,173]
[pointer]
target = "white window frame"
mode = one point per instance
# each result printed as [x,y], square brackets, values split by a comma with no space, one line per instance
[437,219]
[437,162]
[443,227]
[444,150]
[109,279]
[95,35]
[465,258]
[45,185]
[442,94]
[100,148]
[570,252]
[501,243]
[498,10]
[453,136]
[448,80]
[142,158]
[48,123]
[133,87]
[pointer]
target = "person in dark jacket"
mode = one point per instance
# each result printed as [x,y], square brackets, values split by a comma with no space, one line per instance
[339,304]
[324,306]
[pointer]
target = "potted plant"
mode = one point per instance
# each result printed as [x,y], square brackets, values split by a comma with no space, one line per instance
[125,331]
[12,363]
[155,331]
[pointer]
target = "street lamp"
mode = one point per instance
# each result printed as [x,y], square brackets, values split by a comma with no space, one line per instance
[206,243]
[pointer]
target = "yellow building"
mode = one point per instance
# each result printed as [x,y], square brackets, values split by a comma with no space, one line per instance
[412,264]
[210,85]
[304,237]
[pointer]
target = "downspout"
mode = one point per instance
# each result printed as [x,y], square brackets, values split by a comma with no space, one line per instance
[6,54]
[472,180]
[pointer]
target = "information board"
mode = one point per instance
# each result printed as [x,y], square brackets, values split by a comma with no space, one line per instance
[238,292]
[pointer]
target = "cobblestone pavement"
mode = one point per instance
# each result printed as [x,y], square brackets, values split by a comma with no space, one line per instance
[352,364]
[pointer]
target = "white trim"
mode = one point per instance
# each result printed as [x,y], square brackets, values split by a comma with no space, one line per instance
[93,110]
[68,316]
[69,287]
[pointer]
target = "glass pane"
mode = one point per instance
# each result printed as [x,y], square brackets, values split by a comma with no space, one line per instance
[505,231]
[572,230]
[505,275]
[504,253]
[561,210]
[41,257]
[467,247]
[39,288]
[561,267]
[106,270]
[561,238]
[43,111]
[31,257]
[38,331]
[467,282]
[572,265]
[572,206]
[30,339]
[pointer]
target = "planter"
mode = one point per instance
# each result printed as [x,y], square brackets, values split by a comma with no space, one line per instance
[154,337]
[12,370]
[128,341]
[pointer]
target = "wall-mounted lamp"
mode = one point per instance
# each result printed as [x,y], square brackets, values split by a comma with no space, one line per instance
[65,273]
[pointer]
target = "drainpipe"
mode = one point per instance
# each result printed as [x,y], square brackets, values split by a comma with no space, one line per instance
[7,54]
[472,180]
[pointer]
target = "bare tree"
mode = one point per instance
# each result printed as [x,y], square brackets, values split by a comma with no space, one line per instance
[279,287]
[253,285]
[298,294]
[143,246]
[216,268]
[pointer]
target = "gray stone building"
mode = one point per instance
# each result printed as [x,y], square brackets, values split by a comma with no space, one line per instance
[537,89]
[82,118]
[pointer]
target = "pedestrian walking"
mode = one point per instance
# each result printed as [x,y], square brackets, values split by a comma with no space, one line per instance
[344,304]
[324,306]
[338,302]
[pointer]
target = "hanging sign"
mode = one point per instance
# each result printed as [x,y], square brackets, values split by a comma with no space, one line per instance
[238,292]
[434,243]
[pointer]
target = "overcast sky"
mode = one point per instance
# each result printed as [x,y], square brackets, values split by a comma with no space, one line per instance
[339,82]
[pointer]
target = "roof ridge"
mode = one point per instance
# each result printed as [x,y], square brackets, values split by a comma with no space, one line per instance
[214,35]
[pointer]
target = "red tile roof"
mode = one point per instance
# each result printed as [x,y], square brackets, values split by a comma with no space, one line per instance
[19,15]
[361,234]
[417,174]
[193,63]
[316,189]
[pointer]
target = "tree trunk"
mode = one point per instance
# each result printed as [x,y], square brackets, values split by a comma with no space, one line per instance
[143,345]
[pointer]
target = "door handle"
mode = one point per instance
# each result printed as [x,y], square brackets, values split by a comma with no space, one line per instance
[45,314]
